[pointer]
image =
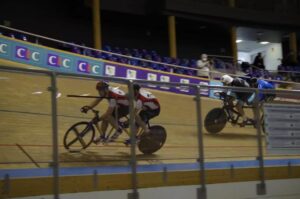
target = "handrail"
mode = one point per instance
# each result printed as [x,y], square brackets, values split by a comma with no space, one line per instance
[122,80]
[98,50]
[171,65]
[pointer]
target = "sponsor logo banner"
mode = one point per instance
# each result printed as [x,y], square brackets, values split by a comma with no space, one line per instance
[5,48]
[28,53]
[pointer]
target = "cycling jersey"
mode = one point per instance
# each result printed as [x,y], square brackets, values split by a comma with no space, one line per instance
[262,84]
[238,82]
[117,97]
[146,99]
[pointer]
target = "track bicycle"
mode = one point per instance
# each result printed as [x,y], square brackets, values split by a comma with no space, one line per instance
[216,119]
[81,135]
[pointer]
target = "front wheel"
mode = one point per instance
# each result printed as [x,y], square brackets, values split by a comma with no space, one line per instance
[79,136]
[215,120]
[151,142]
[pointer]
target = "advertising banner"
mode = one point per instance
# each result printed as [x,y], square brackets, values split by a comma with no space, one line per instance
[57,60]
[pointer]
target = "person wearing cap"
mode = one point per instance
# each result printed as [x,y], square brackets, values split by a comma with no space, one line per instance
[118,106]
[241,97]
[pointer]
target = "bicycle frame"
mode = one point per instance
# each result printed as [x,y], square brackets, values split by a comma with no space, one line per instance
[81,134]
[233,115]
[95,121]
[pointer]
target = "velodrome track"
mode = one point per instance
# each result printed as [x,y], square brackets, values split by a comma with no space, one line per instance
[26,139]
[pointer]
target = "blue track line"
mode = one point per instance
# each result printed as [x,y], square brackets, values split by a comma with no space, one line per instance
[75,171]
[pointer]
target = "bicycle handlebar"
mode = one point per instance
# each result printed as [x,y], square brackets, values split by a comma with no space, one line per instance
[85,109]
[95,111]
[223,95]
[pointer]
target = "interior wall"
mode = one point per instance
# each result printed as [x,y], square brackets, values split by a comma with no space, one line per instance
[272,54]
[244,57]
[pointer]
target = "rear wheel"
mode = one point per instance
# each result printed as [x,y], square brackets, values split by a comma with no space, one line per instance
[79,136]
[151,142]
[215,120]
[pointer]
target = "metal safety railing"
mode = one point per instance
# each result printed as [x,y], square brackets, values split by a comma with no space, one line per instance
[201,192]
[172,66]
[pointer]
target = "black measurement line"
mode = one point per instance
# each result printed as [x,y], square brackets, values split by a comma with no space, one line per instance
[27,154]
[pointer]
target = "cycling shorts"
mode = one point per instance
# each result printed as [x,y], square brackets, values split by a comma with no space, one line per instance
[121,111]
[148,114]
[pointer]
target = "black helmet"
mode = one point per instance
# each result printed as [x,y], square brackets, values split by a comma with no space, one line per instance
[253,82]
[101,85]
[136,87]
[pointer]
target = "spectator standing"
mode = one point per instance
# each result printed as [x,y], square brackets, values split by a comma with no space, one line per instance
[203,66]
[259,61]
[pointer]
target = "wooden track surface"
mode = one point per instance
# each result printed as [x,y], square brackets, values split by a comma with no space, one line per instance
[25,127]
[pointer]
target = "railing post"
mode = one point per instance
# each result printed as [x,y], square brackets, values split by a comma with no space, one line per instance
[55,163]
[201,192]
[134,194]
[260,188]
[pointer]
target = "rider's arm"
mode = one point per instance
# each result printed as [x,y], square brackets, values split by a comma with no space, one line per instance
[95,102]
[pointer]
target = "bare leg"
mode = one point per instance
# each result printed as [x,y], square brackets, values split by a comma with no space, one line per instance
[104,126]
[239,107]
[112,121]
[141,123]
[99,129]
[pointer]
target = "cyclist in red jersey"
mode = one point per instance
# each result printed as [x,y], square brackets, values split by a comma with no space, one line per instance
[118,106]
[146,107]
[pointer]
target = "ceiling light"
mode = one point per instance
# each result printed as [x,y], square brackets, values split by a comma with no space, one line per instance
[264,42]
[58,95]
[86,94]
[238,41]
[37,93]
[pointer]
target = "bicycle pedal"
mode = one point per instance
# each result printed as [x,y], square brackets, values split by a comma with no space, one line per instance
[99,140]
[128,141]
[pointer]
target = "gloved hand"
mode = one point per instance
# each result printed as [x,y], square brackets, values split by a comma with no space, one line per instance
[85,109]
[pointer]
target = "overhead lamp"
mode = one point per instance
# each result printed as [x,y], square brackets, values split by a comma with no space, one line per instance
[37,93]
[238,41]
[264,42]
[58,95]
[85,94]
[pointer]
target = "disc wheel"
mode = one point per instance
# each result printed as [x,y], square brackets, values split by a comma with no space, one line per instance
[215,120]
[79,136]
[151,142]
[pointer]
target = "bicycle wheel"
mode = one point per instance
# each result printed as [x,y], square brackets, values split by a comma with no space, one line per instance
[151,142]
[79,136]
[215,120]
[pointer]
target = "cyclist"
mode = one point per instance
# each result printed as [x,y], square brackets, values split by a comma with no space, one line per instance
[242,97]
[118,106]
[146,107]
[262,84]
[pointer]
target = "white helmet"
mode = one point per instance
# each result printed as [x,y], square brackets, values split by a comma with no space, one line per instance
[226,79]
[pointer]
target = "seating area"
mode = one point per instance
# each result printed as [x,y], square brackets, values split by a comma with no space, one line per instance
[283,73]
[139,57]
[155,62]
